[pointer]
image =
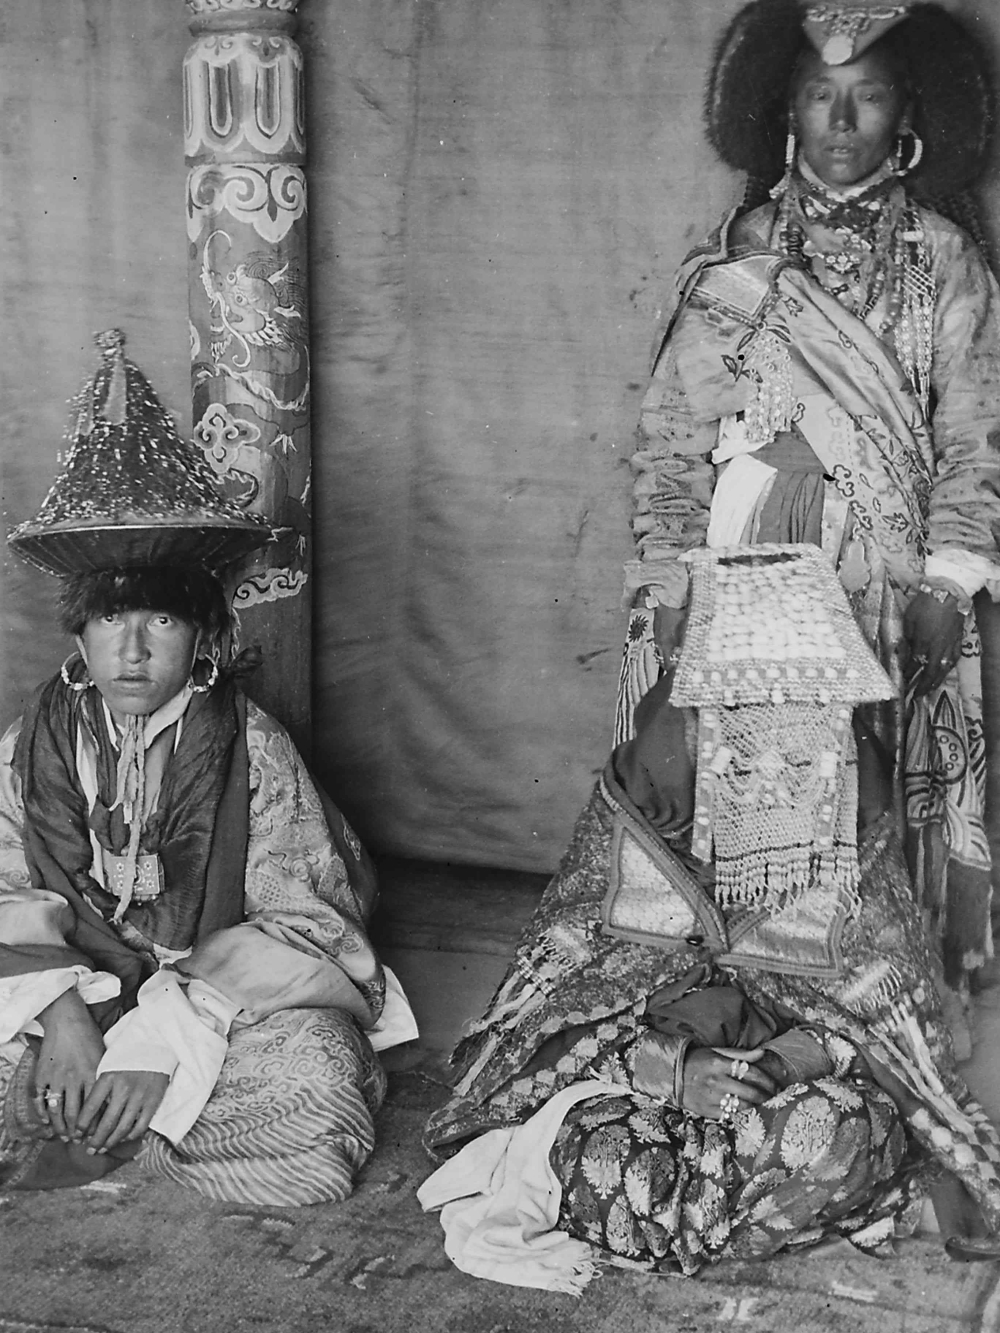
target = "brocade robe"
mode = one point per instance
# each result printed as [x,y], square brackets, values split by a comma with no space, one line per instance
[268,1038]
[892,493]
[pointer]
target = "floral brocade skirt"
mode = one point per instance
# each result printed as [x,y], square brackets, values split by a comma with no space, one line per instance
[653,1186]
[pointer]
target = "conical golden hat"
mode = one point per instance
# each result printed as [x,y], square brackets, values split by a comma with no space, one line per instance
[132,491]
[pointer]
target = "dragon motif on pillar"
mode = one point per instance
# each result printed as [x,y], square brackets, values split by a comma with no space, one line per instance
[244,137]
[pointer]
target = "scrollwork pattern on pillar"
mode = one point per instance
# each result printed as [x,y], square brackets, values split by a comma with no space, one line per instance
[232,447]
[270,198]
[199,7]
[243,98]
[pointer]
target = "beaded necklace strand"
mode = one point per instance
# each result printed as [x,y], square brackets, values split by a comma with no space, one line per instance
[882,254]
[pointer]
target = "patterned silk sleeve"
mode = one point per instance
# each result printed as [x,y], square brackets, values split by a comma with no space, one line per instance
[37,963]
[965,500]
[672,496]
[13,868]
[296,881]
[674,474]
[34,922]
[674,479]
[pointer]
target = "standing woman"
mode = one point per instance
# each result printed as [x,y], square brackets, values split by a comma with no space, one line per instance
[853,401]
[722,1034]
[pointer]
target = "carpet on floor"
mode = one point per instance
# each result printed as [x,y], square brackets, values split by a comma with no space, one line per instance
[130,1256]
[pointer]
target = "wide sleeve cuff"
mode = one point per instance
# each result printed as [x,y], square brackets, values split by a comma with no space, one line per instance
[658,1066]
[397,1022]
[23,997]
[971,572]
[175,1031]
[663,578]
[802,1055]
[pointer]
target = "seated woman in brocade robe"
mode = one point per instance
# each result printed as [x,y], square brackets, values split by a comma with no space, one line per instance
[184,970]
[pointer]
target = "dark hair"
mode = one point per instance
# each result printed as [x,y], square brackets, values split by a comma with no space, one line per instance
[949,81]
[192,595]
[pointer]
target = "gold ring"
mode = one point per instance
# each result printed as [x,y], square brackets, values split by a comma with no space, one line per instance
[739,1070]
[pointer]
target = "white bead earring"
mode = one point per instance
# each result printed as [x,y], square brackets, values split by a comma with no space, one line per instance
[213,676]
[791,145]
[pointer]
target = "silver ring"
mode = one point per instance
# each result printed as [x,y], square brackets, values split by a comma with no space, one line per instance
[739,1070]
[53,1098]
[728,1108]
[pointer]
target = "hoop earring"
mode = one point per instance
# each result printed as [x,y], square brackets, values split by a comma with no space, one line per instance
[916,156]
[76,685]
[213,676]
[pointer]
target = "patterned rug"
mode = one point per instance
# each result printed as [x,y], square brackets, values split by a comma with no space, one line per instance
[123,1256]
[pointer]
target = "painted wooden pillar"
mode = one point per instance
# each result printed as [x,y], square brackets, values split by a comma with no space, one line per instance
[244,141]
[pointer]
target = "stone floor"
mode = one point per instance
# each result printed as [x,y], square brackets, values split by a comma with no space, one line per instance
[127,1256]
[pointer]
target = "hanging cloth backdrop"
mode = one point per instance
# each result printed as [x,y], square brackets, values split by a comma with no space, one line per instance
[498,196]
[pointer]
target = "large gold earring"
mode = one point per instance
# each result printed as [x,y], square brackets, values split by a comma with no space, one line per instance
[213,676]
[916,154]
[76,685]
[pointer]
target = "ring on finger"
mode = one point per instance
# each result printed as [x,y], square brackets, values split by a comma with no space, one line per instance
[53,1098]
[728,1107]
[739,1070]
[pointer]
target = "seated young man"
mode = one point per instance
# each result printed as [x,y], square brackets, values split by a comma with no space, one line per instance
[184,971]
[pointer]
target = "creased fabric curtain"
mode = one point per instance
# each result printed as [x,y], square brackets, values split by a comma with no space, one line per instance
[499,194]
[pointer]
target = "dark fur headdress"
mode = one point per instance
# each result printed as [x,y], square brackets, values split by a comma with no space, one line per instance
[746,106]
[193,595]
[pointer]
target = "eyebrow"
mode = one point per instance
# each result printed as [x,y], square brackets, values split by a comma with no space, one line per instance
[827,81]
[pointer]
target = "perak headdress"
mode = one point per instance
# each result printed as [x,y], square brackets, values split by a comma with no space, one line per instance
[746,107]
[132,491]
[841,32]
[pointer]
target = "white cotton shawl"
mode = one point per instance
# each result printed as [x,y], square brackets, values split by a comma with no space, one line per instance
[499,1201]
